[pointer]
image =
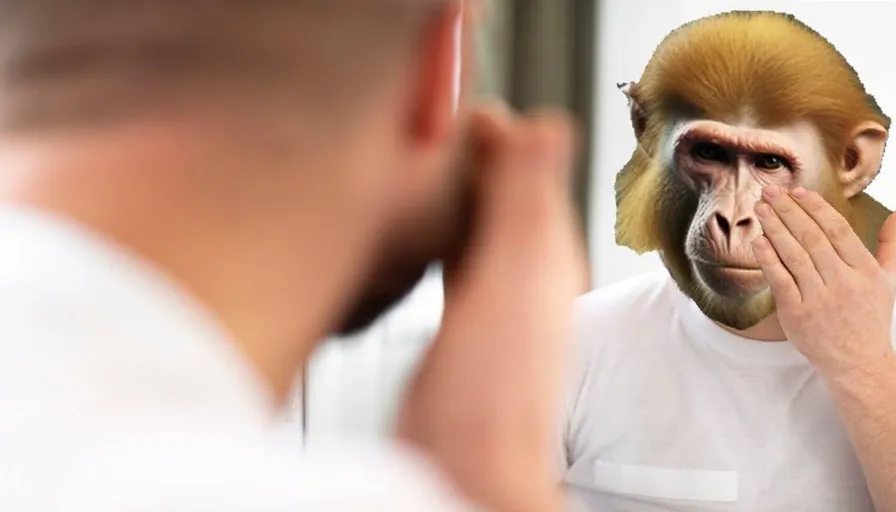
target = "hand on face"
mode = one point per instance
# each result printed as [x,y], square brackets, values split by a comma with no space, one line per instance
[834,298]
[485,402]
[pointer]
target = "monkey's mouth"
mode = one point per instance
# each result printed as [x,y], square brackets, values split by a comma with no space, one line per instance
[731,268]
[738,273]
[727,265]
[731,280]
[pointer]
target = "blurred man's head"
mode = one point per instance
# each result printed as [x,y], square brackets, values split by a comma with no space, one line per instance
[308,140]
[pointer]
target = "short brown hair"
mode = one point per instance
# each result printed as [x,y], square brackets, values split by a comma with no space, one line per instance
[64,61]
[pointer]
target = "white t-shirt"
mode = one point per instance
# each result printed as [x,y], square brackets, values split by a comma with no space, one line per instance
[119,393]
[670,412]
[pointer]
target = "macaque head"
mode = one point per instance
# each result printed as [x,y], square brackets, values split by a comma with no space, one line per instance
[730,104]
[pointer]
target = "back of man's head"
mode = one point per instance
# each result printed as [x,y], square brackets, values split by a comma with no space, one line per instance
[64,61]
[271,155]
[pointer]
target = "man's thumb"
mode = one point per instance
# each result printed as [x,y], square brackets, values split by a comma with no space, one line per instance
[886,246]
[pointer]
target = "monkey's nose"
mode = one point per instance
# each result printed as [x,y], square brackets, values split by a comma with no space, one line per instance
[724,225]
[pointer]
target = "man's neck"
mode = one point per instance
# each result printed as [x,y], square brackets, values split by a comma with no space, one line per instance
[149,208]
[768,330]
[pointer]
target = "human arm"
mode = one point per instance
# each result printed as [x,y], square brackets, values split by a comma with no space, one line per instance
[865,401]
[486,402]
[835,303]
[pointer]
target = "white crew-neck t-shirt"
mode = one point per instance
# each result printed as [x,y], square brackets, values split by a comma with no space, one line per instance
[119,393]
[670,412]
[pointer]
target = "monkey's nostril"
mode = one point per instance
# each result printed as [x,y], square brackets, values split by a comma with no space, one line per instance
[745,222]
[723,224]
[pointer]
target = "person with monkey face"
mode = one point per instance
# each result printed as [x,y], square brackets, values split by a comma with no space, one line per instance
[748,389]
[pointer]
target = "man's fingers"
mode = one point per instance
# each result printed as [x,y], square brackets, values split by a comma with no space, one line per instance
[836,229]
[886,246]
[792,255]
[805,230]
[779,280]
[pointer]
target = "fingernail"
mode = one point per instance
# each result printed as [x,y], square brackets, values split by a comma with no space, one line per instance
[800,192]
[760,243]
[771,192]
[763,210]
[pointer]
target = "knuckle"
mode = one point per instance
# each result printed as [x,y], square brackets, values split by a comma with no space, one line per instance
[876,281]
[842,283]
[825,298]
[798,315]
[796,259]
[772,225]
[840,230]
[554,125]
[814,239]
[784,207]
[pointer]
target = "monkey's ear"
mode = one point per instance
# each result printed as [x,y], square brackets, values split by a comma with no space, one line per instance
[636,110]
[863,157]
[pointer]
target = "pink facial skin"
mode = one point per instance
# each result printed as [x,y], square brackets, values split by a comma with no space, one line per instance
[727,166]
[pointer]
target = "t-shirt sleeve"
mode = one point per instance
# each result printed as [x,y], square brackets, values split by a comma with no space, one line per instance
[177,473]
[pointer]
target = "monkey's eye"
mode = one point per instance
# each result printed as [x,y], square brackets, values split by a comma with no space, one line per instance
[771,162]
[709,152]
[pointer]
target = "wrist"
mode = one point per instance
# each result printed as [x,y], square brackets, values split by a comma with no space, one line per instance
[872,375]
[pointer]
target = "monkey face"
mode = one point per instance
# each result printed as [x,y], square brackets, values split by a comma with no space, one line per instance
[726,167]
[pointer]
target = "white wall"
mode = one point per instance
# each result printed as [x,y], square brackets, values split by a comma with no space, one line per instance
[354,384]
[630,30]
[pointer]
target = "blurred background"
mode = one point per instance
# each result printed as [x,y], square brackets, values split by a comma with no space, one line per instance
[568,53]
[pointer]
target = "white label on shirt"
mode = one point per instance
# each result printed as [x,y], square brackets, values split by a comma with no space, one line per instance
[664,483]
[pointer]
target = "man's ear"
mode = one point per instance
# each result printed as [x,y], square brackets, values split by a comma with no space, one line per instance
[636,110]
[438,80]
[863,158]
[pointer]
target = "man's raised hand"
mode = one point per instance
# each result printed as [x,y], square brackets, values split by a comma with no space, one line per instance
[486,401]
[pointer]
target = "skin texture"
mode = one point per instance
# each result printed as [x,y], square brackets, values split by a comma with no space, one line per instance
[730,104]
[818,268]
